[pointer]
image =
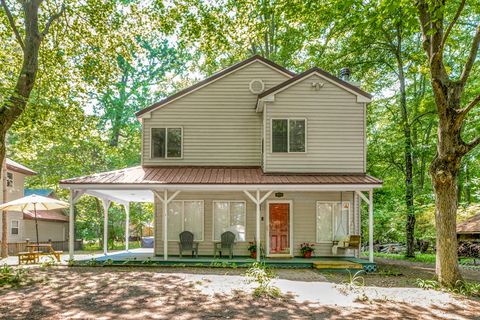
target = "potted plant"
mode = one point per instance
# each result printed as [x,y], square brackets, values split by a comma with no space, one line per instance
[252,247]
[307,249]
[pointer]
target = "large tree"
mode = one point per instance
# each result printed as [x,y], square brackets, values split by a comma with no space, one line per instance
[15,104]
[453,107]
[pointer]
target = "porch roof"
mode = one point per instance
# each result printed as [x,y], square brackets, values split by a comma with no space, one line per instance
[187,175]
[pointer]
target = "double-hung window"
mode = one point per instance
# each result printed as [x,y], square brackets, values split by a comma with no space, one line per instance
[10,179]
[14,227]
[332,220]
[289,135]
[167,142]
[229,216]
[185,215]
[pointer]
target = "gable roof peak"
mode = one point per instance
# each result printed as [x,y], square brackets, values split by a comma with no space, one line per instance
[214,77]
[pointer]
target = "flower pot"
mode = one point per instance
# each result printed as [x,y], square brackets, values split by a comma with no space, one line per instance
[307,254]
[253,255]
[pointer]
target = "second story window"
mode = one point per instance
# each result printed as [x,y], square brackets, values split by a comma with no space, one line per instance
[288,135]
[10,179]
[167,142]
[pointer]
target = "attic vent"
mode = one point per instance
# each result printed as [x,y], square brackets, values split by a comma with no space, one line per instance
[256,86]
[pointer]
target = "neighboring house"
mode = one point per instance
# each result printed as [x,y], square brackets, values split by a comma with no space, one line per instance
[52,225]
[469,230]
[254,149]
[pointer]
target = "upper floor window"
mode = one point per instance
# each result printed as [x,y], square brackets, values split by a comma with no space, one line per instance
[10,179]
[14,227]
[167,142]
[288,135]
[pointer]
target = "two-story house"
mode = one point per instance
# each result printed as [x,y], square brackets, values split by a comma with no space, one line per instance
[272,156]
[52,225]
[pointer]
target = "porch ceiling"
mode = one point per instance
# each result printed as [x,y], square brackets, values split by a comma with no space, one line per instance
[122,196]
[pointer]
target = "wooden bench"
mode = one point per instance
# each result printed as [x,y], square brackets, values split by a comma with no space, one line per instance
[28,257]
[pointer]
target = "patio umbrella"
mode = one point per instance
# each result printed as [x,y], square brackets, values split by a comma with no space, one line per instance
[34,202]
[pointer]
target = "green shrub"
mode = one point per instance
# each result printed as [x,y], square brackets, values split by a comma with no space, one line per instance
[263,276]
[11,276]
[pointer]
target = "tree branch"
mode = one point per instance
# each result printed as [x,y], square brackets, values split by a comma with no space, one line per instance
[469,146]
[471,57]
[450,26]
[470,106]
[12,25]
[50,21]
[425,25]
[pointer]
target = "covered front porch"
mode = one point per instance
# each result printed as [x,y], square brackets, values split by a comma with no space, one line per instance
[309,206]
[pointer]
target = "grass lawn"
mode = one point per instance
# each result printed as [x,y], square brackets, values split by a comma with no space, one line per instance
[60,292]
[419,257]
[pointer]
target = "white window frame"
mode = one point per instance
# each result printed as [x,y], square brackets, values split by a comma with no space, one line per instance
[288,135]
[333,219]
[10,181]
[166,142]
[183,218]
[17,227]
[213,217]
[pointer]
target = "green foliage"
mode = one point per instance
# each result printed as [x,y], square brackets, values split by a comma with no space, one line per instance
[419,257]
[356,280]
[10,276]
[262,275]
[469,289]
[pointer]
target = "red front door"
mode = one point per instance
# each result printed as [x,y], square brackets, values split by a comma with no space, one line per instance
[279,228]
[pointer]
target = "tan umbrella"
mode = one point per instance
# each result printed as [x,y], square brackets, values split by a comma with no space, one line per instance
[34,202]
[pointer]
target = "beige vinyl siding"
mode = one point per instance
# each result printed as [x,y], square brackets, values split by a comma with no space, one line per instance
[220,125]
[47,230]
[335,129]
[304,220]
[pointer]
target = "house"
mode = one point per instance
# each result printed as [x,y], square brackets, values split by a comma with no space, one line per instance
[469,230]
[52,225]
[273,156]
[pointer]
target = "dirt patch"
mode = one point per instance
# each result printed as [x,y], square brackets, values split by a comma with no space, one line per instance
[197,293]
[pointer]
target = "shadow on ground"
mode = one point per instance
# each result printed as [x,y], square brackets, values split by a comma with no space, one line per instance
[91,293]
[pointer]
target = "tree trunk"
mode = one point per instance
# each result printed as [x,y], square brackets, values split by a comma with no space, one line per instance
[444,175]
[407,132]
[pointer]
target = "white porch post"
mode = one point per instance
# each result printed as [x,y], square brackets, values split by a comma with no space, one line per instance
[71,228]
[258,201]
[106,204]
[165,200]
[127,224]
[165,221]
[370,225]
[257,236]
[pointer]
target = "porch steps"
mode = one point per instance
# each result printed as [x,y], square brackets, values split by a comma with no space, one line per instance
[336,265]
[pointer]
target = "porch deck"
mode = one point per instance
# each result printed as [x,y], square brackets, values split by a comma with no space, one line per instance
[145,257]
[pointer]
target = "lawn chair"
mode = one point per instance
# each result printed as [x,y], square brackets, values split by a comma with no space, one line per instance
[187,244]
[227,242]
[350,242]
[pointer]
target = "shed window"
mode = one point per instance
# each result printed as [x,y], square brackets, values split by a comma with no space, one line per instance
[288,135]
[167,142]
[10,179]
[14,227]
[185,215]
[332,220]
[229,216]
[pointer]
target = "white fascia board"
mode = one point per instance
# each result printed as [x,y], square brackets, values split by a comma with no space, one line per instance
[261,102]
[226,187]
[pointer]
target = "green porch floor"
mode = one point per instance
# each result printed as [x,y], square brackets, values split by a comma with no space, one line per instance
[142,259]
